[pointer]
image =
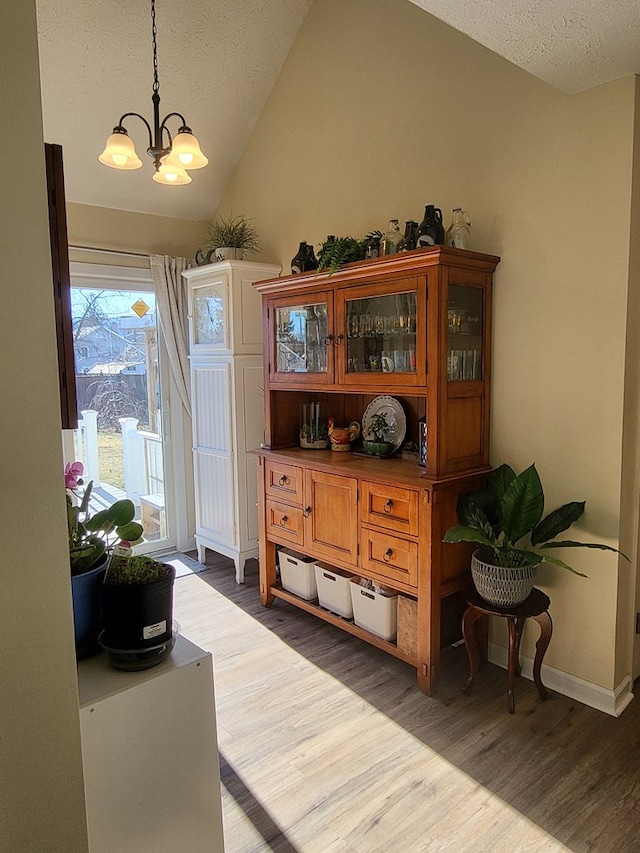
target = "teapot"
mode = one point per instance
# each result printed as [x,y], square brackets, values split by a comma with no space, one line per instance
[341,437]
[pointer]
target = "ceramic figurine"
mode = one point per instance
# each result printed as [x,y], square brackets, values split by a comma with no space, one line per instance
[341,437]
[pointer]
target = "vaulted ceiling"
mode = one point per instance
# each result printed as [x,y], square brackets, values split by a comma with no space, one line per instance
[219,59]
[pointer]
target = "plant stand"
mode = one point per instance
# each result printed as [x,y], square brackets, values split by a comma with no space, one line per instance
[535,607]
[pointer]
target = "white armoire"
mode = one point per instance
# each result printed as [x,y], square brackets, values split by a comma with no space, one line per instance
[225,353]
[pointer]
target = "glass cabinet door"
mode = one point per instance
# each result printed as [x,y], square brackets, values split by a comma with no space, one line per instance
[465,324]
[210,317]
[302,339]
[381,336]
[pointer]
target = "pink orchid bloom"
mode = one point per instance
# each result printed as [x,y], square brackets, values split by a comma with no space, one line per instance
[72,473]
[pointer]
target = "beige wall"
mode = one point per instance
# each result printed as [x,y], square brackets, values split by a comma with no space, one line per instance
[381,109]
[41,785]
[124,231]
[628,597]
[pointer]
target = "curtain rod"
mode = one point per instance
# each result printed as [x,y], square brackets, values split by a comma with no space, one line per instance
[110,251]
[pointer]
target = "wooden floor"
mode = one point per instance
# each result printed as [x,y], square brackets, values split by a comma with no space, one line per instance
[328,746]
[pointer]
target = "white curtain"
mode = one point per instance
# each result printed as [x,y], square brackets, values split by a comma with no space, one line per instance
[171,301]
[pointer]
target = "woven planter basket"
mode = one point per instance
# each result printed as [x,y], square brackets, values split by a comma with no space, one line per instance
[503,587]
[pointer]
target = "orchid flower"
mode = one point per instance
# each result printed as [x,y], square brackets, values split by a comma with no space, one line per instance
[73,471]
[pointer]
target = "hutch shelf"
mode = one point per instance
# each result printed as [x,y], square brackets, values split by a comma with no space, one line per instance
[415,326]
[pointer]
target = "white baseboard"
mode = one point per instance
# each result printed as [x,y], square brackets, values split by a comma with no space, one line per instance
[612,702]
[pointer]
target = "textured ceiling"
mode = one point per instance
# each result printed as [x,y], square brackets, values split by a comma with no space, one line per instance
[571,44]
[218,61]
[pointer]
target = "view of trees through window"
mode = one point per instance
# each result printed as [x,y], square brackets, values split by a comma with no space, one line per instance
[115,348]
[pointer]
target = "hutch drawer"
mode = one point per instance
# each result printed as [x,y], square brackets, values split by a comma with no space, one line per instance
[390,507]
[284,482]
[284,523]
[389,557]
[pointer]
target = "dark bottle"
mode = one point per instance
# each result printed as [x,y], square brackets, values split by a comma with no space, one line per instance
[410,235]
[311,260]
[430,230]
[299,261]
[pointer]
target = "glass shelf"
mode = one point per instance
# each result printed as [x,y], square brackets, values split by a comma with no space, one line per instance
[301,338]
[381,334]
[465,323]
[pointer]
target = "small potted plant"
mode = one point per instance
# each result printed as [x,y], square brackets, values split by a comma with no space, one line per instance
[336,251]
[91,539]
[506,521]
[136,593]
[228,239]
[376,436]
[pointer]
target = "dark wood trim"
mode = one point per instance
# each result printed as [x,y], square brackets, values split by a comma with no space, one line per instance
[61,285]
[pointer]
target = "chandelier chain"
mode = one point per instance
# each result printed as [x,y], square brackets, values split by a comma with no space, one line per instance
[154,31]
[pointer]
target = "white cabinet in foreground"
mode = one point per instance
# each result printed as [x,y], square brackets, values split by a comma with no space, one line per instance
[150,755]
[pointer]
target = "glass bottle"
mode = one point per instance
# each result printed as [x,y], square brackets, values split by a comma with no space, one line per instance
[410,235]
[372,249]
[430,230]
[311,262]
[298,262]
[392,241]
[459,232]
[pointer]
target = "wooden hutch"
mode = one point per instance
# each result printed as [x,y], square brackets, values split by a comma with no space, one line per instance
[416,326]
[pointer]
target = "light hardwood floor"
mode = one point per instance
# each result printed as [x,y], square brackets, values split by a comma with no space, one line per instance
[328,746]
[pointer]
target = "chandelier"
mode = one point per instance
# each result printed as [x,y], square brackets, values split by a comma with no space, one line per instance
[172,156]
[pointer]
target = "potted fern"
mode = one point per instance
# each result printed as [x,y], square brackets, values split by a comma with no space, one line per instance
[506,521]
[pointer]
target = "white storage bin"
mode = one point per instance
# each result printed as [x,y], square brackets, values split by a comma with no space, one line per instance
[297,573]
[334,591]
[373,611]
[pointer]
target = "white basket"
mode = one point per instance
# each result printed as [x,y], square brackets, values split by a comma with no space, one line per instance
[374,612]
[500,586]
[334,590]
[297,574]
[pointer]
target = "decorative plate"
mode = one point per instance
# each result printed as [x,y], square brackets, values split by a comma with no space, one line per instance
[389,406]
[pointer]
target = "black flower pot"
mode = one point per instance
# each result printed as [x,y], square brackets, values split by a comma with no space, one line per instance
[137,615]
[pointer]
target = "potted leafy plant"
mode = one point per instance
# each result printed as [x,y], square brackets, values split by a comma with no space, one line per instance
[136,593]
[337,251]
[376,436]
[506,521]
[228,239]
[91,538]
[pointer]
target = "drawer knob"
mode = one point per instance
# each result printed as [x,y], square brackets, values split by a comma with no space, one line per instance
[388,506]
[283,480]
[283,521]
[306,511]
[387,555]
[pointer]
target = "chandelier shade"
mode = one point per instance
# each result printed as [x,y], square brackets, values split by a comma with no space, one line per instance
[171,175]
[120,152]
[186,149]
[172,156]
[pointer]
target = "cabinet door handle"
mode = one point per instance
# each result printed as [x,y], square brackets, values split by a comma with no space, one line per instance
[306,511]
[283,480]
[283,521]
[328,340]
[387,555]
[339,340]
[388,506]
